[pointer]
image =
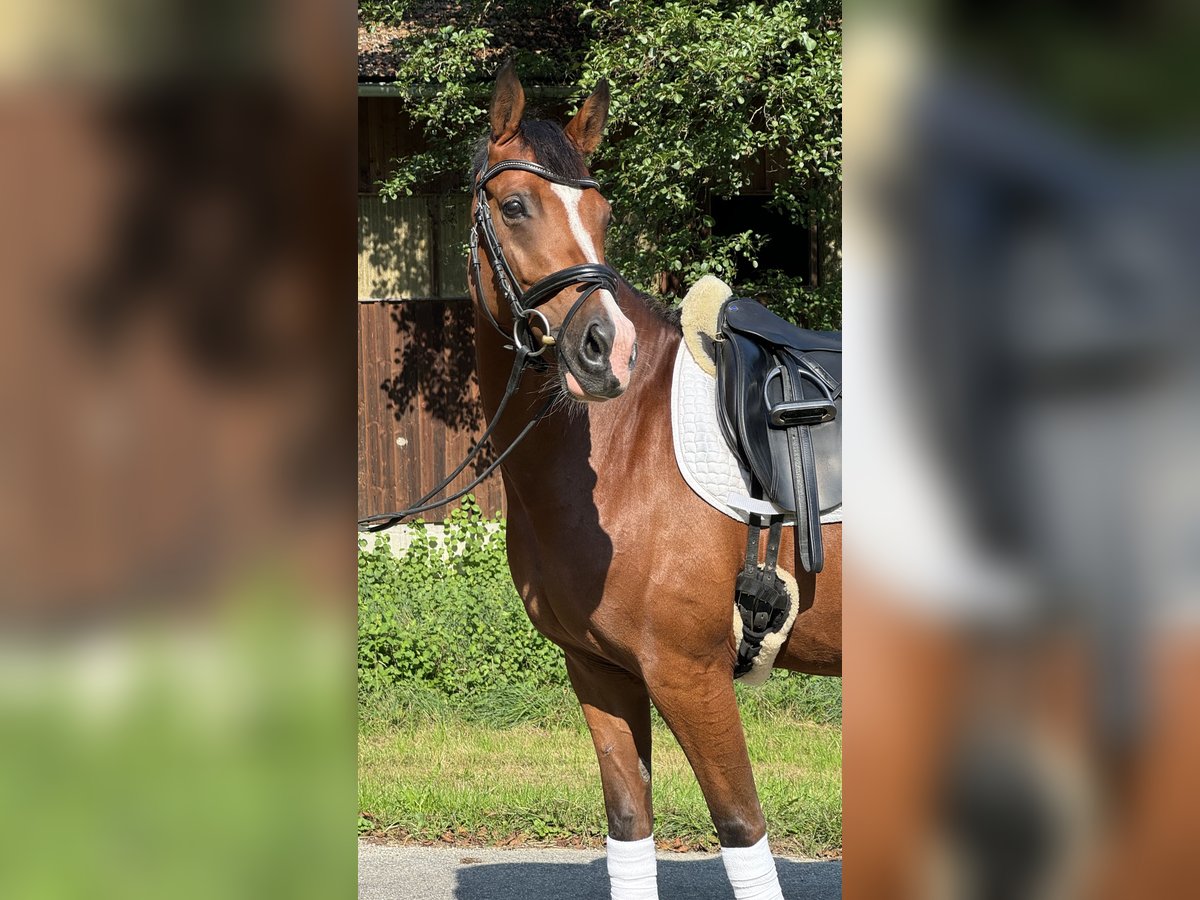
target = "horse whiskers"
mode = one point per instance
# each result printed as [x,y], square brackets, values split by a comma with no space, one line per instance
[562,398]
[563,403]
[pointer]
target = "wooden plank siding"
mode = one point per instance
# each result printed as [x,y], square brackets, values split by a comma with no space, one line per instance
[385,133]
[452,228]
[413,247]
[418,409]
[418,400]
[395,245]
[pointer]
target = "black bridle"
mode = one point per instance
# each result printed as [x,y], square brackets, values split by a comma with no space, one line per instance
[591,277]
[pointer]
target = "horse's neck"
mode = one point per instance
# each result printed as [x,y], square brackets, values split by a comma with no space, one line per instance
[570,437]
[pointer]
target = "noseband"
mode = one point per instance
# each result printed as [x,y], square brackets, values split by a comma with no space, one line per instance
[591,277]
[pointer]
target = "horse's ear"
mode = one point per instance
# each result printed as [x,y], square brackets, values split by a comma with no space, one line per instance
[508,105]
[587,126]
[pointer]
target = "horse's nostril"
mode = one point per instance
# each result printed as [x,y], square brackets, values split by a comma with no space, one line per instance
[595,345]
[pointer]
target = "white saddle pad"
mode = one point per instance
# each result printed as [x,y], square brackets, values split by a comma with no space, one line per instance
[707,464]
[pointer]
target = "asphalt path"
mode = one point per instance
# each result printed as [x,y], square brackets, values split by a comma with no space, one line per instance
[387,872]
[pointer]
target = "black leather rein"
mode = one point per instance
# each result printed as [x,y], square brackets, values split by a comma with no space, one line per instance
[591,277]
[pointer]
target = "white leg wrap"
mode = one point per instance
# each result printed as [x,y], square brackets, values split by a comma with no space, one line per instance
[751,872]
[632,869]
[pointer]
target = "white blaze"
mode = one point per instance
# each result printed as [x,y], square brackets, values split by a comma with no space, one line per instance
[624,330]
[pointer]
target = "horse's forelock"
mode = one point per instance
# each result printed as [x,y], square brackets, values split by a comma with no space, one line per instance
[549,145]
[552,149]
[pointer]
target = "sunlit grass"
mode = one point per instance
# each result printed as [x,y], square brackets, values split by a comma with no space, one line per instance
[447,778]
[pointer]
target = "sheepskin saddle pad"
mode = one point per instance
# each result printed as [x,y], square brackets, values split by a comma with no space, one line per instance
[706,461]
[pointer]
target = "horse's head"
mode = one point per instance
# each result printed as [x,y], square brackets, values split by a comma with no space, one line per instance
[548,218]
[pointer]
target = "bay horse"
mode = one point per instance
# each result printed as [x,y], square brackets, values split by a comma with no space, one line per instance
[617,561]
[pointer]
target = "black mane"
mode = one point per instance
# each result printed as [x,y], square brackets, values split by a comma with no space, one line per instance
[549,145]
[672,315]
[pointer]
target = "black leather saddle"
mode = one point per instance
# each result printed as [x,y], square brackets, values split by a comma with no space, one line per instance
[779,401]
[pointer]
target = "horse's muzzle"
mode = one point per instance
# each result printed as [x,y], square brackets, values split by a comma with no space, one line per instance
[601,359]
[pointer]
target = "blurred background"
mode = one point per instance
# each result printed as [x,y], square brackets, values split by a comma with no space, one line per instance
[1021,228]
[177,459]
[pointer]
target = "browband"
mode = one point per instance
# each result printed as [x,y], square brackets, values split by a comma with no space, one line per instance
[523,165]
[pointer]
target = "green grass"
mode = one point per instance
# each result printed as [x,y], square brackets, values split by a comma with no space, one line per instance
[786,697]
[432,771]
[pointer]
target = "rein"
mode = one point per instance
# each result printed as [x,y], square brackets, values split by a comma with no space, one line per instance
[591,277]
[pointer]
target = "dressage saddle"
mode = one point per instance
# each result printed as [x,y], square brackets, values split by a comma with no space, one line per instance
[779,402]
[779,398]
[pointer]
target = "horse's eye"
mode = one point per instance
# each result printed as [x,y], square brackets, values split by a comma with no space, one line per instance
[513,209]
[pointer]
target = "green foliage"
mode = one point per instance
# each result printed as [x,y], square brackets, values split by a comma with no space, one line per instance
[444,92]
[382,12]
[701,90]
[445,614]
[417,704]
[813,307]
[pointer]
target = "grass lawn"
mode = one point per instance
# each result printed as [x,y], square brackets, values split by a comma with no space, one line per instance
[449,779]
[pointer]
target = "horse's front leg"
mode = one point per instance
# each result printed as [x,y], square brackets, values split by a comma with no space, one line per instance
[617,708]
[700,707]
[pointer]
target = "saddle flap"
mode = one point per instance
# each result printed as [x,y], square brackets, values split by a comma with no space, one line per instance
[748,391]
[742,369]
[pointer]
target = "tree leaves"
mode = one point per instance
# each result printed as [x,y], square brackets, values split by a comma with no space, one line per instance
[735,87]
[702,90]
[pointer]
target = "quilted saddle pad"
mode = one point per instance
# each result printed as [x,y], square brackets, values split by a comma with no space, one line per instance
[707,464]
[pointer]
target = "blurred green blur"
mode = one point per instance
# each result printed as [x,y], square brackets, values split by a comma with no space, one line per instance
[183,759]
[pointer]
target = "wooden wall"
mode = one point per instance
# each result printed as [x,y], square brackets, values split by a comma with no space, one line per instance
[413,247]
[418,400]
[418,408]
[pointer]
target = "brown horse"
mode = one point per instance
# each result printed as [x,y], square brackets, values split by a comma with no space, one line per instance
[617,560]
